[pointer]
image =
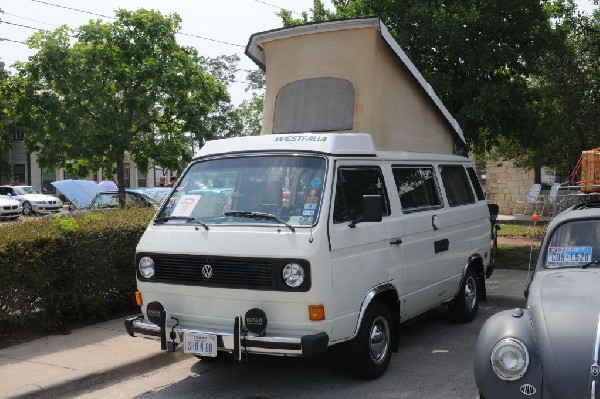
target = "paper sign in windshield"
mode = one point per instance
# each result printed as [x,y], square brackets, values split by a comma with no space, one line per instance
[563,256]
[186,205]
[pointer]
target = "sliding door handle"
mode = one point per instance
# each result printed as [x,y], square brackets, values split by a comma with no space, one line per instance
[397,241]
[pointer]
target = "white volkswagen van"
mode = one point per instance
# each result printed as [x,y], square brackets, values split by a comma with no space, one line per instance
[286,244]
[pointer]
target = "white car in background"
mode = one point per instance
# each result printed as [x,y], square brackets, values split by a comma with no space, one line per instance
[32,200]
[10,208]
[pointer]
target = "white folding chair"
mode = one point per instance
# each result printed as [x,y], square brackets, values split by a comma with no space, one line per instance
[532,200]
[551,202]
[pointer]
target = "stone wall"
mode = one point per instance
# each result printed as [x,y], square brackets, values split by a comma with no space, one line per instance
[506,183]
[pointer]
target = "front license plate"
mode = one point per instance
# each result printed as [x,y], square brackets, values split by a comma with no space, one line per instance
[200,344]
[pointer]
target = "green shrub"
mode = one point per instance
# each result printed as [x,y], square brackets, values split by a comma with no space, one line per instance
[65,270]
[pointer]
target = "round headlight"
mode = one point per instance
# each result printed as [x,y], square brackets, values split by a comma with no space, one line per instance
[293,275]
[510,359]
[146,267]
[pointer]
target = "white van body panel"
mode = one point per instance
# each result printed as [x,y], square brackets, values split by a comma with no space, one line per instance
[416,257]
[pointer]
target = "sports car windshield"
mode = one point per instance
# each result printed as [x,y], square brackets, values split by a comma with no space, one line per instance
[24,190]
[574,243]
[248,190]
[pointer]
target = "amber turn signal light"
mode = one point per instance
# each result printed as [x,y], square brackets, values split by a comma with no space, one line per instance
[316,312]
[138,298]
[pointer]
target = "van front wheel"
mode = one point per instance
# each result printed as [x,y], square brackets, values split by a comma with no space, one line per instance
[464,306]
[370,351]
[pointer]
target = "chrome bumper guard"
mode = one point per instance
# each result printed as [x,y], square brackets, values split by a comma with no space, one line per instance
[238,340]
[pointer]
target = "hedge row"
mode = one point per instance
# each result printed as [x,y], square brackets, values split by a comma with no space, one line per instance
[56,273]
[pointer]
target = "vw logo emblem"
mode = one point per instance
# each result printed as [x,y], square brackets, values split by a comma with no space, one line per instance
[595,370]
[207,271]
[528,389]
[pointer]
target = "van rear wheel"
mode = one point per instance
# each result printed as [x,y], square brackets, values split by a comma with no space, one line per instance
[463,307]
[370,351]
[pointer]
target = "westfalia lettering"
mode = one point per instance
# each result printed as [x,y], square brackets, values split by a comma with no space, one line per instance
[301,138]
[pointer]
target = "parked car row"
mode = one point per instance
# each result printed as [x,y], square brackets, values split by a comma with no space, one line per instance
[83,196]
[29,201]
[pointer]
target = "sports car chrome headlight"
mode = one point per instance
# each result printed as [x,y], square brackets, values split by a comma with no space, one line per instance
[510,359]
[146,267]
[293,275]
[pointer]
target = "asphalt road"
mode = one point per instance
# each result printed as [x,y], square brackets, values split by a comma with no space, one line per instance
[434,361]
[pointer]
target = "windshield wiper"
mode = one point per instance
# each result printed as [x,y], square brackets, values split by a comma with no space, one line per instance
[188,218]
[590,263]
[259,215]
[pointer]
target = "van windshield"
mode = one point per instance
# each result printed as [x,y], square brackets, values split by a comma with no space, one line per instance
[229,190]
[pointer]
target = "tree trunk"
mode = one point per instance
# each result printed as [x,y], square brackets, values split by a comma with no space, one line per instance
[121,180]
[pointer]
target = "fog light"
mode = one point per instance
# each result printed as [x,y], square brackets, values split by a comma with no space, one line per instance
[316,312]
[255,321]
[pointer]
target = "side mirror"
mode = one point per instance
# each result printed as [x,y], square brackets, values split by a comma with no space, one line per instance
[372,210]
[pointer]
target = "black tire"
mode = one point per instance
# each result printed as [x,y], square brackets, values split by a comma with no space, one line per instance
[27,210]
[370,351]
[463,307]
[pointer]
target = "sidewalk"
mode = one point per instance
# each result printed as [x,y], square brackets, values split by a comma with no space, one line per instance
[61,365]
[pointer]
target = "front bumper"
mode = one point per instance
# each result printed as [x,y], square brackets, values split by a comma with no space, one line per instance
[237,340]
[38,208]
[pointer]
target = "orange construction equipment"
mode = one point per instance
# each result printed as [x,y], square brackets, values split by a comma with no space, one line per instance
[589,165]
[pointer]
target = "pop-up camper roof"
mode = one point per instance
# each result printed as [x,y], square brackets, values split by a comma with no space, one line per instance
[350,76]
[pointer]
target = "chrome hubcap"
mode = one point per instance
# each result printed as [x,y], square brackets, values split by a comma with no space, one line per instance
[470,293]
[379,341]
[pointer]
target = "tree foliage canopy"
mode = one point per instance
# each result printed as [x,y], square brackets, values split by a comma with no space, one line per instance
[89,96]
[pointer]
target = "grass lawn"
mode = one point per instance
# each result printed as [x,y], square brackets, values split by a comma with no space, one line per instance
[515,244]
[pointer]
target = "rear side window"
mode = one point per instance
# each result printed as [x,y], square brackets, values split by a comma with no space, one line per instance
[351,184]
[476,185]
[456,184]
[416,187]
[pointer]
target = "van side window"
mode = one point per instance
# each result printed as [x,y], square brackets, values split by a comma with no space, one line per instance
[417,188]
[351,185]
[458,189]
[476,185]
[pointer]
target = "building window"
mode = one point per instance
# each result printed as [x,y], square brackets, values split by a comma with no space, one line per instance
[18,136]
[142,178]
[19,171]
[47,179]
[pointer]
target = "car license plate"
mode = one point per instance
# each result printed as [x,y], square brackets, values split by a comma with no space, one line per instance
[200,344]
[562,256]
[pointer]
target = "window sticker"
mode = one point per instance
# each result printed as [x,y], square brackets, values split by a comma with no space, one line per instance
[306,221]
[171,202]
[310,205]
[563,256]
[294,220]
[316,183]
[308,212]
[186,205]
